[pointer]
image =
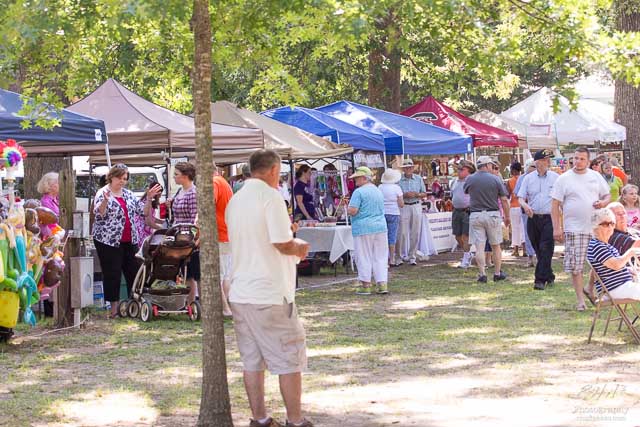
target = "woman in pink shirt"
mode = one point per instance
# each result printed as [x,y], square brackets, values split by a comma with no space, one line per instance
[631,203]
[48,187]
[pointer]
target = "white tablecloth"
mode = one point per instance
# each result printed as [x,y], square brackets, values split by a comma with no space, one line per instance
[335,240]
[435,234]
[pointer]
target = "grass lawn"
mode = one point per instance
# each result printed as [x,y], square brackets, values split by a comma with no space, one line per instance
[440,350]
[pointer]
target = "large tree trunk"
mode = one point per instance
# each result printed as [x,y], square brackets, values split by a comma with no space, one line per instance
[215,408]
[627,97]
[63,314]
[385,61]
[34,168]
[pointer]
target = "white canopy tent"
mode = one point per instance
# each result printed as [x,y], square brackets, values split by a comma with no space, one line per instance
[581,126]
[602,115]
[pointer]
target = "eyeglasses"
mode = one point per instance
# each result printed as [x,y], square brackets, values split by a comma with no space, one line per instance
[607,224]
[120,166]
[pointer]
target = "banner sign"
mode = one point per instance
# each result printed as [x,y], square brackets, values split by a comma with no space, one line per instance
[441,231]
[368,159]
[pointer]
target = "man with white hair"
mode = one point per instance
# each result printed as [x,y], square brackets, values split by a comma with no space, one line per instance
[578,191]
[485,189]
[413,190]
[535,199]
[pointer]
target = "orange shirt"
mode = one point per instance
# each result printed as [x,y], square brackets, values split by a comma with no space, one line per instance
[620,174]
[222,193]
[511,185]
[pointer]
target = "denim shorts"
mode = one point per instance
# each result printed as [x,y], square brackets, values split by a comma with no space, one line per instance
[393,222]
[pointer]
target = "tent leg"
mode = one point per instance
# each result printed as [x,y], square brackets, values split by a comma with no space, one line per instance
[293,197]
[106,152]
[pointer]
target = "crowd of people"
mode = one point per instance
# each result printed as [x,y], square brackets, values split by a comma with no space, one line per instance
[259,250]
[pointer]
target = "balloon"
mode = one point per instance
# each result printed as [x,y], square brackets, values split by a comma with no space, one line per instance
[46,216]
[31,221]
[31,204]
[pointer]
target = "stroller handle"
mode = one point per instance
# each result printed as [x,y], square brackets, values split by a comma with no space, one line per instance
[184,229]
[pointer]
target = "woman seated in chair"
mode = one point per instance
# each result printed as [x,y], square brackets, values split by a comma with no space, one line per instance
[607,262]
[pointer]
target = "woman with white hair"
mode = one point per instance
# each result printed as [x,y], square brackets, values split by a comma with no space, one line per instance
[369,230]
[48,187]
[393,201]
[610,266]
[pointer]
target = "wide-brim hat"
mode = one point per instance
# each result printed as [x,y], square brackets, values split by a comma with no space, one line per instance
[407,163]
[390,176]
[362,171]
[467,164]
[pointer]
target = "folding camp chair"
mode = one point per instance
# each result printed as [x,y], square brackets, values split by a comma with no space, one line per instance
[604,300]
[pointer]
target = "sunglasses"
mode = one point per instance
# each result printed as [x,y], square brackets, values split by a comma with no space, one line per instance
[607,224]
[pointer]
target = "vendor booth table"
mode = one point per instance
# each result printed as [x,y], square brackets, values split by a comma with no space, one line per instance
[336,240]
[436,234]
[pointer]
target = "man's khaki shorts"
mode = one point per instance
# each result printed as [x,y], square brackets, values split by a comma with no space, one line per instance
[270,336]
[483,226]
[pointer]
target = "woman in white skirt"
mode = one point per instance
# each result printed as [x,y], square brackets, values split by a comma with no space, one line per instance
[369,229]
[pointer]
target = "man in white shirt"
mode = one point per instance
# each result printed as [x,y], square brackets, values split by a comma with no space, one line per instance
[265,254]
[578,191]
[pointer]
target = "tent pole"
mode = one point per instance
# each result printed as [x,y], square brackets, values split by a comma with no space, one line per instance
[106,152]
[293,197]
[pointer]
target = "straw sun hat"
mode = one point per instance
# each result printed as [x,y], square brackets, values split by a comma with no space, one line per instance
[390,176]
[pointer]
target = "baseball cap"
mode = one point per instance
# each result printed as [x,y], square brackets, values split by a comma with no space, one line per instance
[543,154]
[485,160]
[407,162]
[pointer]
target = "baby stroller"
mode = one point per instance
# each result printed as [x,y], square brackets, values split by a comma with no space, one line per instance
[156,289]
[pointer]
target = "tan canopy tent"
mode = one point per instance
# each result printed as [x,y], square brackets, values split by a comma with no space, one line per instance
[221,157]
[135,125]
[278,135]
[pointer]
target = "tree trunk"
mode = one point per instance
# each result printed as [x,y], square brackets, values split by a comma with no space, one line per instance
[34,168]
[385,62]
[215,408]
[627,97]
[63,313]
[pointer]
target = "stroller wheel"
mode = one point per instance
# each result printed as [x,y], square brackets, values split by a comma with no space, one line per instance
[134,309]
[196,311]
[123,308]
[146,311]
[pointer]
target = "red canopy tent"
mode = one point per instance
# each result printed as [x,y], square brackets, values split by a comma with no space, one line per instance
[432,111]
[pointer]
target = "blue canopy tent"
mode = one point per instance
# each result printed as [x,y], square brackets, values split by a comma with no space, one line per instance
[76,135]
[402,135]
[324,125]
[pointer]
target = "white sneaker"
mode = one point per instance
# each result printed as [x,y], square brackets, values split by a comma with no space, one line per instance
[466,260]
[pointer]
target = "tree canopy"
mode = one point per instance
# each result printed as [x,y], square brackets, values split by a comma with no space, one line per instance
[471,53]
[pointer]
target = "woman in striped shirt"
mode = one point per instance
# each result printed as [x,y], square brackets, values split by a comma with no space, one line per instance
[610,266]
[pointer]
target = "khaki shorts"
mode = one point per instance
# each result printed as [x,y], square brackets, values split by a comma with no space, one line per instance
[483,226]
[270,336]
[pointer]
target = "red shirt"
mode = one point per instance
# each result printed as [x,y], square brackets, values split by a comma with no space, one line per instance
[126,233]
[222,193]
